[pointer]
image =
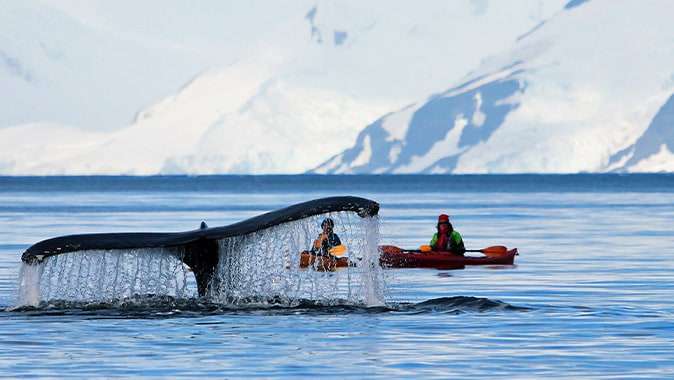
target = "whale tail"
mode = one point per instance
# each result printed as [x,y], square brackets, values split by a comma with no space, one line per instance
[199,249]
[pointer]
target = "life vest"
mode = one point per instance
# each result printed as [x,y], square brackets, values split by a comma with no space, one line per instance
[450,242]
[442,242]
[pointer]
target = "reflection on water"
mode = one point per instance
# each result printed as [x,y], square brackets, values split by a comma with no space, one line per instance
[589,296]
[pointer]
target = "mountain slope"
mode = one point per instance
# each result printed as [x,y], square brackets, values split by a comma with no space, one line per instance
[94,64]
[556,87]
[297,93]
[587,91]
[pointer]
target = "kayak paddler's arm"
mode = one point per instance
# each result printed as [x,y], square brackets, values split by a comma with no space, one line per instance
[433,240]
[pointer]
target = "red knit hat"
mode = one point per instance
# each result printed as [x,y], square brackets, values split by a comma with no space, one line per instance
[443,218]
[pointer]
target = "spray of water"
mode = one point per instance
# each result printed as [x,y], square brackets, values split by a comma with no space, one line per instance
[103,275]
[262,267]
[265,265]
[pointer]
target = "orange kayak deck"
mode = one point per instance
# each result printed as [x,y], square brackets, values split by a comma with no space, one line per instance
[325,263]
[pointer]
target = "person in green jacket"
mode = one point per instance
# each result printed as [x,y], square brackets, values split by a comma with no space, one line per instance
[447,238]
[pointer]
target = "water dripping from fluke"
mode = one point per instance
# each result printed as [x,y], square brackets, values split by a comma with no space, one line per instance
[255,261]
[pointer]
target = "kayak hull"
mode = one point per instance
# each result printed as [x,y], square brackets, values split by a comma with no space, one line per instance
[394,257]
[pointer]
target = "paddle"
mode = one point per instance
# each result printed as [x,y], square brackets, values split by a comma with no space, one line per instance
[337,250]
[493,251]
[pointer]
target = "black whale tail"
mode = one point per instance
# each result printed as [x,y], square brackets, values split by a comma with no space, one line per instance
[198,249]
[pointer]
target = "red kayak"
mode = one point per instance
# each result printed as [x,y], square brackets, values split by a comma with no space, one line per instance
[394,257]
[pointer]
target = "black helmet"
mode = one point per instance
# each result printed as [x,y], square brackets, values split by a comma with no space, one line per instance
[329,222]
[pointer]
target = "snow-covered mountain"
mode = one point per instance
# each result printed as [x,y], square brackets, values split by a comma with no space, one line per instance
[95,64]
[519,86]
[589,90]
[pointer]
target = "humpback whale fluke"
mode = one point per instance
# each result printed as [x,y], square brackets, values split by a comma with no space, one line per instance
[198,248]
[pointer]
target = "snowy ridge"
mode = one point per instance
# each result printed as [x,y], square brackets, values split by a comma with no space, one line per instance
[553,104]
[523,86]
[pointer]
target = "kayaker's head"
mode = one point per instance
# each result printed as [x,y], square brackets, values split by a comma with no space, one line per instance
[443,223]
[327,225]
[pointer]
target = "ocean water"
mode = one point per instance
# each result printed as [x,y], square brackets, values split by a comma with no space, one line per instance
[589,296]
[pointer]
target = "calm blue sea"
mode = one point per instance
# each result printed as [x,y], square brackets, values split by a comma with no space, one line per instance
[590,297]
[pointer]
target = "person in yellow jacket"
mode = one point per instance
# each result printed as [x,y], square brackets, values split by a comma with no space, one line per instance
[327,239]
[447,238]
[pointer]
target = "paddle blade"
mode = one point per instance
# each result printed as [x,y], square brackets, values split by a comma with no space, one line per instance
[390,249]
[337,250]
[495,251]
